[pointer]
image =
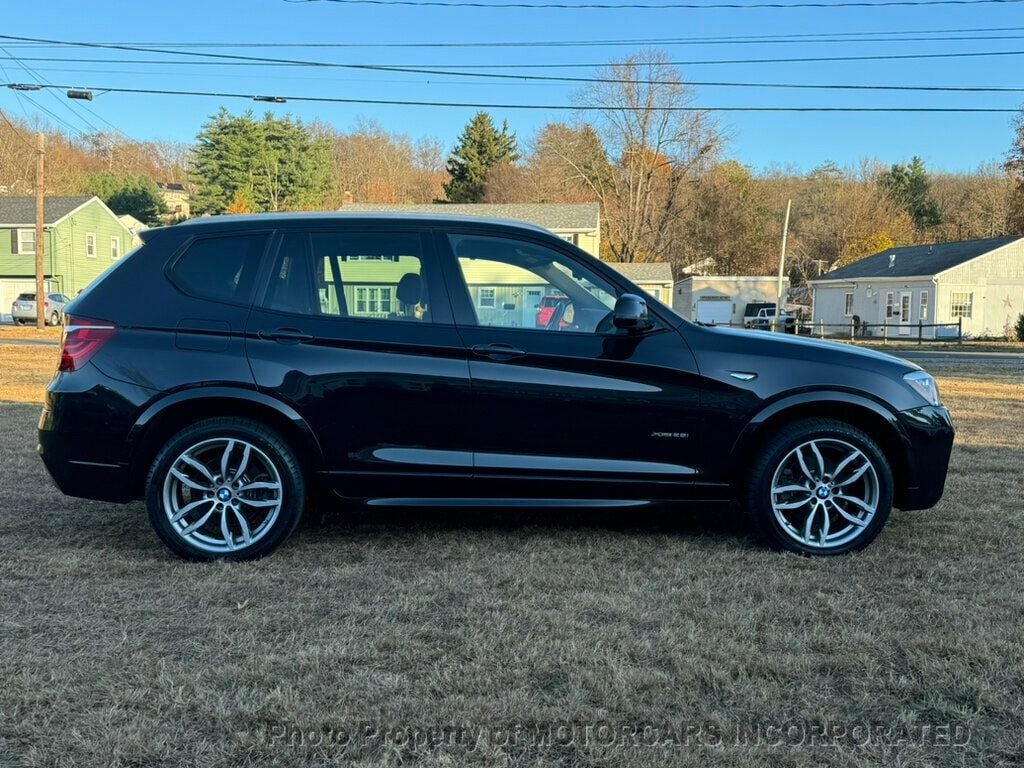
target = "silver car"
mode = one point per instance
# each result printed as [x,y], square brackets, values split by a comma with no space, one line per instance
[23,310]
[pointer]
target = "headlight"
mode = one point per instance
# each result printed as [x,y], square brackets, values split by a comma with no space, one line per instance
[924,384]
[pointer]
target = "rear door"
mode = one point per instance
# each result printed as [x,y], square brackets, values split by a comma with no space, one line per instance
[575,408]
[354,330]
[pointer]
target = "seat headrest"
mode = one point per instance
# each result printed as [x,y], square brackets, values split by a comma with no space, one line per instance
[410,288]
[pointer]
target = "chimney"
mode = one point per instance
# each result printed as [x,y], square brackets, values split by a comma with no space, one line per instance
[346,198]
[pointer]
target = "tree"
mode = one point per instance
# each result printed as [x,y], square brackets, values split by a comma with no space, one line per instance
[480,148]
[1015,167]
[136,196]
[909,187]
[657,150]
[275,164]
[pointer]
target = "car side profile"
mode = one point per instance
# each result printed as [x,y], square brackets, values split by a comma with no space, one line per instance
[233,368]
[23,310]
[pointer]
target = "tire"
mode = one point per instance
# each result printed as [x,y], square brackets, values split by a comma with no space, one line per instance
[244,518]
[55,318]
[780,520]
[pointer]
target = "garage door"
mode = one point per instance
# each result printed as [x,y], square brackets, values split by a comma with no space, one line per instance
[9,290]
[714,312]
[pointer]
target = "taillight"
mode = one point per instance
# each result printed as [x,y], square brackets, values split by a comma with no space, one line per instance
[82,338]
[46,304]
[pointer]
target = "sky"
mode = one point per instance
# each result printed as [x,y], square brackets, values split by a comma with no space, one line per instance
[765,141]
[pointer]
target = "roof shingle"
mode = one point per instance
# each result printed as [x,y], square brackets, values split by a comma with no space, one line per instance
[916,260]
[660,271]
[584,217]
[21,211]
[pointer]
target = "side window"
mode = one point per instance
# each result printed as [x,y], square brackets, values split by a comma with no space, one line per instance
[220,268]
[291,281]
[370,275]
[518,284]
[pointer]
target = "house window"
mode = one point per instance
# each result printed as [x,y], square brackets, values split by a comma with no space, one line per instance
[960,304]
[890,304]
[90,245]
[373,301]
[923,307]
[486,300]
[849,305]
[26,241]
[115,248]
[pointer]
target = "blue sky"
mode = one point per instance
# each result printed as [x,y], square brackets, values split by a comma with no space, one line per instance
[955,142]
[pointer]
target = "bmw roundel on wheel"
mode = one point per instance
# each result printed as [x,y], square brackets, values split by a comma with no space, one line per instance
[232,369]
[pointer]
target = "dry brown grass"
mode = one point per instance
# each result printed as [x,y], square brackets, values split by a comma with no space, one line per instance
[25,370]
[29,332]
[115,653]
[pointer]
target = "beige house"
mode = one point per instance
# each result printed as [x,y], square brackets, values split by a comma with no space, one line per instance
[579,223]
[654,277]
[721,299]
[177,198]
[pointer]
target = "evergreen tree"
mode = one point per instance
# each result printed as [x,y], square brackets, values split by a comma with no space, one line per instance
[910,187]
[273,164]
[136,196]
[481,147]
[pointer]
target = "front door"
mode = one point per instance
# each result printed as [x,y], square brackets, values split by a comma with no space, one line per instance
[354,330]
[904,313]
[574,408]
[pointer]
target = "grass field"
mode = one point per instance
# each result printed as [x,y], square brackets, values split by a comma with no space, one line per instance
[392,626]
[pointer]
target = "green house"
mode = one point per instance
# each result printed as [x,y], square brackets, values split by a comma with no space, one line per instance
[82,237]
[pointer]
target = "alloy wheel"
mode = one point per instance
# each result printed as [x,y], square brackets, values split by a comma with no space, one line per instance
[825,493]
[222,494]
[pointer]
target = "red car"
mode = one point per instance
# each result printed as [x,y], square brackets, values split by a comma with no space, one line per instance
[549,307]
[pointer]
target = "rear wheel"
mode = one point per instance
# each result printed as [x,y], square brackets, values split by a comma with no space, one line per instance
[55,318]
[225,489]
[819,487]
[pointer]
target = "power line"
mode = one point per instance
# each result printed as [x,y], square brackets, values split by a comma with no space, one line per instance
[228,58]
[570,107]
[17,130]
[653,6]
[542,79]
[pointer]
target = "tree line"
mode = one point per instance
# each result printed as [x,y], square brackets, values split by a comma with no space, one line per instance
[658,167]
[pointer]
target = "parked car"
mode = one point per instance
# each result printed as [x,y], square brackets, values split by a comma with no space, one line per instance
[761,315]
[233,368]
[548,308]
[23,310]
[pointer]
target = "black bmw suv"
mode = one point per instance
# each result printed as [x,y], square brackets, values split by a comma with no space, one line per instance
[233,368]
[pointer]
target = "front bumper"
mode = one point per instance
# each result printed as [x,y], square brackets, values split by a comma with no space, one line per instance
[929,432]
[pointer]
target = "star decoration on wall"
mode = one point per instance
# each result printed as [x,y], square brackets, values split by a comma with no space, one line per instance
[1007,304]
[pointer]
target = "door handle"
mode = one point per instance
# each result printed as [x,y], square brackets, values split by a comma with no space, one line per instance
[498,351]
[286,335]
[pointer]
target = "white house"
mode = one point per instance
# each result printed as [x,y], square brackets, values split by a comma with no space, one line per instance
[721,299]
[979,283]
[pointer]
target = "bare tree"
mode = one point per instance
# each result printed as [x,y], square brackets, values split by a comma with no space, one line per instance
[658,143]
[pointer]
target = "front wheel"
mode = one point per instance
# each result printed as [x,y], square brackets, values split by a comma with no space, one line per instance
[225,489]
[819,487]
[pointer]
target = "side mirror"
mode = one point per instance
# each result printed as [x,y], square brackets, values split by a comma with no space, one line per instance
[631,313]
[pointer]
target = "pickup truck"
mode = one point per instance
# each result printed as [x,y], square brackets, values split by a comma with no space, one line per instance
[760,315]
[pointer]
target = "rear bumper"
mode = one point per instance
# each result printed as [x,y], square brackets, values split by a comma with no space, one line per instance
[75,476]
[929,431]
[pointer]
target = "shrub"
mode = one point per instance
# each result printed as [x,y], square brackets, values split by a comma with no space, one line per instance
[1018,329]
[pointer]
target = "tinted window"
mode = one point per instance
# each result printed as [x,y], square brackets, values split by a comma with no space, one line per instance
[220,268]
[518,284]
[26,297]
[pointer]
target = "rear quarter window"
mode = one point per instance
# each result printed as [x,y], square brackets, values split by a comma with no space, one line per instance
[220,268]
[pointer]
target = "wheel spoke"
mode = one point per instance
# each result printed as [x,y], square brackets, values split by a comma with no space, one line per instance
[197,466]
[809,522]
[243,463]
[259,502]
[198,523]
[224,460]
[856,502]
[259,487]
[787,489]
[794,504]
[186,480]
[823,533]
[852,518]
[803,465]
[188,508]
[820,459]
[856,475]
[244,525]
[854,455]
[228,540]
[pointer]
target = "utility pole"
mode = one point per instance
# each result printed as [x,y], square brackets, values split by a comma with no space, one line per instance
[40,224]
[782,266]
